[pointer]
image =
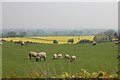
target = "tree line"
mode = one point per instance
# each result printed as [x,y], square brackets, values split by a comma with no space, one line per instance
[14,34]
[40,32]
[109,35]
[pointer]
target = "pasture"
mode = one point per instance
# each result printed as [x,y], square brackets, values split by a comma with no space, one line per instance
[92,58]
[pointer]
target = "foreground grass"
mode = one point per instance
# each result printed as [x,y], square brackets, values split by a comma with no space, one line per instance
[90,58]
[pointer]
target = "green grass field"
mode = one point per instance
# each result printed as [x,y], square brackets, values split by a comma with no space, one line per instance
[92,58]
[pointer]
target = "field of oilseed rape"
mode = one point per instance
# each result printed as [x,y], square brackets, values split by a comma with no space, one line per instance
[49,39]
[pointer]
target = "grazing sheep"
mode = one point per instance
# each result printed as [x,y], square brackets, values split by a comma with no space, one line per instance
[73,58]
[67,56]
[117,42]
[94,43]
[22,43]
[32,55]
[28,42]
[55,56]
[59,55]
[40,55]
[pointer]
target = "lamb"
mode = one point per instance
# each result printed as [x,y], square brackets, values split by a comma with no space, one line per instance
[40,55]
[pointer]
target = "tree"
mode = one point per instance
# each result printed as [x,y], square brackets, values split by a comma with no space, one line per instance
[55,41]
[80,32]
[56,33]
[115,36]
[38,32]
[71,41]
[12,34]
[23,34]
[84,41]
[104,36]
[119,37]
[3,35]
[109,33]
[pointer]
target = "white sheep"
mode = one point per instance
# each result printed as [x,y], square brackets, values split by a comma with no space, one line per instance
[40,55]
[73,58]
[94,43]
[55,56]
[59,55]
[116,42]
[67,56]
[22,43]
[32,55]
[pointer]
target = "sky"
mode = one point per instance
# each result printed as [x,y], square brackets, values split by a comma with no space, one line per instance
[60,0]
[65,15]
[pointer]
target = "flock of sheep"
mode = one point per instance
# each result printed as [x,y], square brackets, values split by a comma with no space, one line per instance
[25,43]
[40,55]
[70,58]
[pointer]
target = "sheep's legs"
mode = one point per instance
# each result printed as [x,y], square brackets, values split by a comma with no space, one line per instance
[118,57]
[44,58]
[36,59]
[29,56]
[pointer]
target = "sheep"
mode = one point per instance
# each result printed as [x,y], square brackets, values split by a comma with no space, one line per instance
[67,56]
[22,43]
[32,55]
[40,55]
[117,42]
[27,42]
[59,55]
[94,43]
[55,56]
[73,58]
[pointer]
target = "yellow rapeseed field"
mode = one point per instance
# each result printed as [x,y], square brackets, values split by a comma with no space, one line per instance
[49,39]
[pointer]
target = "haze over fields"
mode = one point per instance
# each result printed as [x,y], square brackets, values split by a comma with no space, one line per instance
[59,18]
[63,15]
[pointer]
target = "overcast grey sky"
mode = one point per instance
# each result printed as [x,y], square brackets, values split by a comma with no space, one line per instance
[60,15]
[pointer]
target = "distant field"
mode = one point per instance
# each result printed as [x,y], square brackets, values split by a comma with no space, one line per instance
[92,58]
[49,39]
